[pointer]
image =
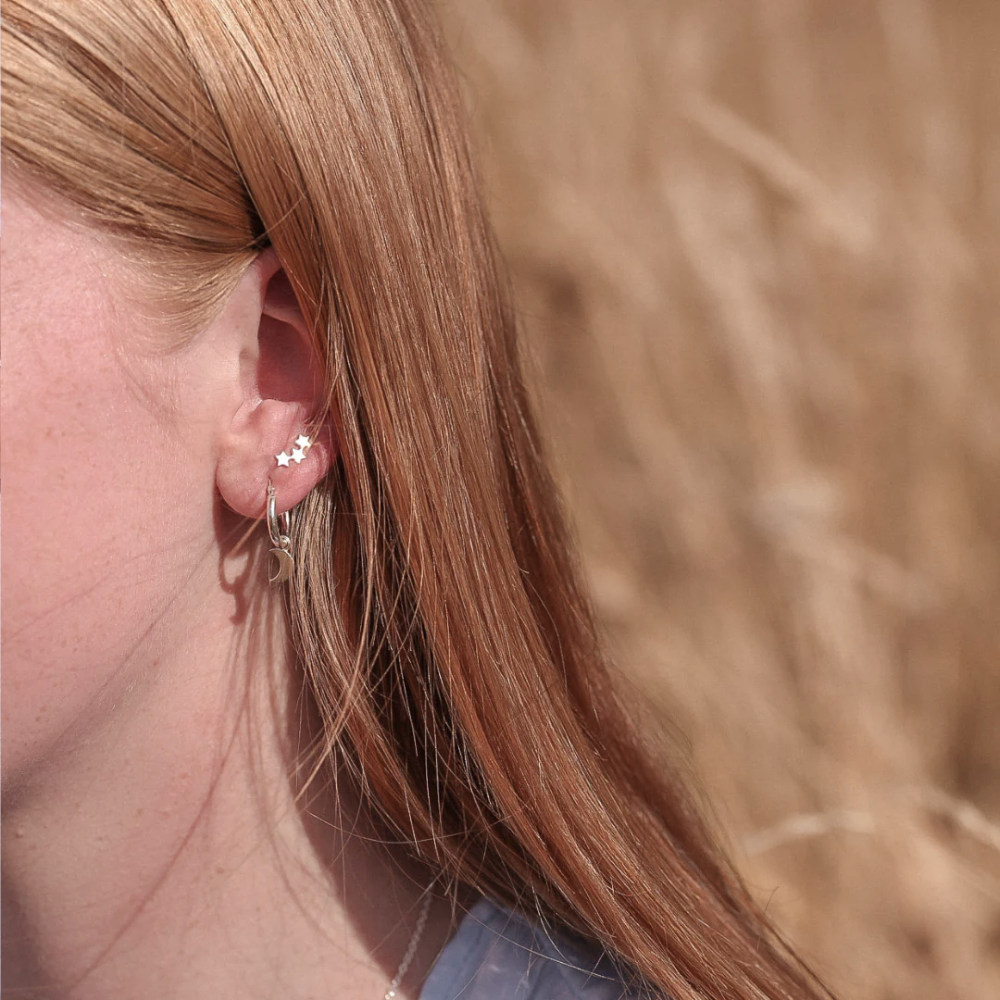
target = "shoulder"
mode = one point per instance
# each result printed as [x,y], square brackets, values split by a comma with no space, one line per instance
[498,955]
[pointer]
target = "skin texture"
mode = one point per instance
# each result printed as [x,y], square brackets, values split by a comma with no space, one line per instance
[152,841]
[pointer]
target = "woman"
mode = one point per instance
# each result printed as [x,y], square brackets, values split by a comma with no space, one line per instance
[247,272]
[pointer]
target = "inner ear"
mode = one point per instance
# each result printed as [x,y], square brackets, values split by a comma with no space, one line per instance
[284,363]
[287,368]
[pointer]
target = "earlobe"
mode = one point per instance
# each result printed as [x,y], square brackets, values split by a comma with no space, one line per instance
[282,398]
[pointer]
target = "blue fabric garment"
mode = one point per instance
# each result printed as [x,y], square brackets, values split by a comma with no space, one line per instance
[498,955]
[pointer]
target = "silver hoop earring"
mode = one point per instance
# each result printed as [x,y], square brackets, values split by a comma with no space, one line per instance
[279,528]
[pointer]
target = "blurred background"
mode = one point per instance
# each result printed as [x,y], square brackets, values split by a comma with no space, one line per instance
[756,248]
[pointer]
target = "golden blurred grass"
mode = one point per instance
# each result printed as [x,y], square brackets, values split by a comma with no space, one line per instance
[756,250]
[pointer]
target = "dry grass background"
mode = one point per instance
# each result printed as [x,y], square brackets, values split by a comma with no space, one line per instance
[756,247]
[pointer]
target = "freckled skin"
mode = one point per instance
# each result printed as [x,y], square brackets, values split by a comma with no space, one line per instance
[98,539]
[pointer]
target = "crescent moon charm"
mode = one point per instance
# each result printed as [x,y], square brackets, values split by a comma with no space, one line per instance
[279,527]
[283,565]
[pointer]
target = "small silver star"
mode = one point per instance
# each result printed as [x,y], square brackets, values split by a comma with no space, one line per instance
[297,456]
[284,458]
[303,442]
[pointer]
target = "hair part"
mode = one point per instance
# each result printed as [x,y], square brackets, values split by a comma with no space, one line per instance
[435,607]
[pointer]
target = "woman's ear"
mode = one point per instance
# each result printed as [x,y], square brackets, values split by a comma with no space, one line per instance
[282,389]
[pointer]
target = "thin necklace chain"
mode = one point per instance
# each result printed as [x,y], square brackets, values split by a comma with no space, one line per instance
[411,948]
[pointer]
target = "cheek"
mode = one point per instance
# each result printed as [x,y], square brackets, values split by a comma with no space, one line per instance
[90,524]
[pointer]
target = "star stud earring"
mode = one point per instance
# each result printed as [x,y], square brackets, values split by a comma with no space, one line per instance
[302,445]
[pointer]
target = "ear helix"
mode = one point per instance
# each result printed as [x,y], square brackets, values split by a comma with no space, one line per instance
[279,526]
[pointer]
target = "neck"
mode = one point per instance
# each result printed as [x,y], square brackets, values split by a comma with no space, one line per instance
[167,851]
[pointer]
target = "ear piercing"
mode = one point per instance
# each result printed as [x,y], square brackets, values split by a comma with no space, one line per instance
[302,445]
[279,526]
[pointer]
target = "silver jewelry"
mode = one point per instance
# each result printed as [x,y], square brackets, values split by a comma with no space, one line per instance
[411,948]
[302,444]
[279,527]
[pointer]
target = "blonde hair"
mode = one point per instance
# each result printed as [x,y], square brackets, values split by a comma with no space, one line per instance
[436,610]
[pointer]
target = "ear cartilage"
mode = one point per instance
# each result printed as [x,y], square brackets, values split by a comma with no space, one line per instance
[302,445]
